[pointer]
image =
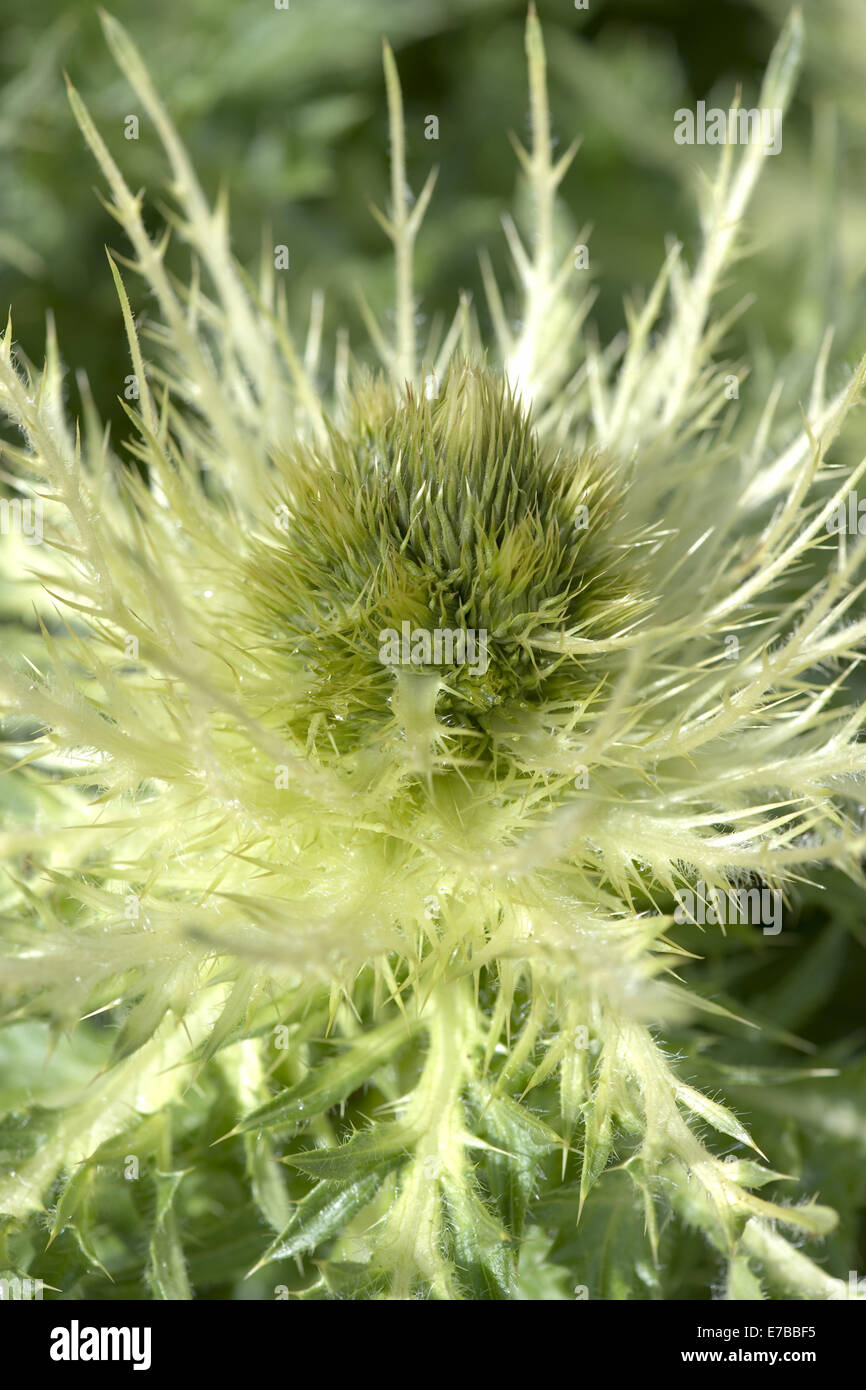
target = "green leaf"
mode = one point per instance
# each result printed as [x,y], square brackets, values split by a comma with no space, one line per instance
[597,1142]
[325,1085]
[144,1018]
[361,1154]
[811,1217]
[267,1180]
[351,1279]
[609,1254]
[84,1244]
[750,1174]
[166,1263]
[233,1014]
[321,1215]
[742,1283]
[512,1174]
[716,1115]
[75,1190]
[481,1253]
[22,1136]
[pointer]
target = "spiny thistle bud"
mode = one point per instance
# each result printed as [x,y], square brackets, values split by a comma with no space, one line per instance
[371,753]
[429,531]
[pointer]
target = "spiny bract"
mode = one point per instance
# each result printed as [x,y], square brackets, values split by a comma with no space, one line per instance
[399,935]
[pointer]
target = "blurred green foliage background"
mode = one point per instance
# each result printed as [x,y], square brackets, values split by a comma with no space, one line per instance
[286,109]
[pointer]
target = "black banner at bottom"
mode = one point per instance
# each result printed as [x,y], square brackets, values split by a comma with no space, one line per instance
[62,1339]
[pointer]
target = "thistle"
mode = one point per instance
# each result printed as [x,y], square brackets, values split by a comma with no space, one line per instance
[372,728]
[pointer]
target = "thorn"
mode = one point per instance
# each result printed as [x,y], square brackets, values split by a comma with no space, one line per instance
[231,1135]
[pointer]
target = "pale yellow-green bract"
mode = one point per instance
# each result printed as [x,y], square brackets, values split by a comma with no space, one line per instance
[235,832]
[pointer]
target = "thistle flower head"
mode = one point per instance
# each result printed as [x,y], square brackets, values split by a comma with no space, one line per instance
[449,516]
